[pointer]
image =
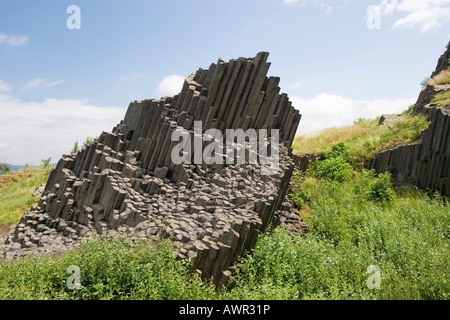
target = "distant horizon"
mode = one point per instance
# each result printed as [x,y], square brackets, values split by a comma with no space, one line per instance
[70,71]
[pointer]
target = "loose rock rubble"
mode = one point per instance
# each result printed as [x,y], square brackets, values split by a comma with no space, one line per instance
[126,182]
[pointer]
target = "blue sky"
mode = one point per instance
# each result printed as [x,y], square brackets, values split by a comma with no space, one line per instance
[59,85]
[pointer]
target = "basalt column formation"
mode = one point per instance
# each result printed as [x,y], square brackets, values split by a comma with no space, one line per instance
[425,164]
[127,182]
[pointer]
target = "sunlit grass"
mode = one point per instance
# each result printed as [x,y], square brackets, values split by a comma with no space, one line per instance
[441,78]
[16,189]
[441,98]
[365,137]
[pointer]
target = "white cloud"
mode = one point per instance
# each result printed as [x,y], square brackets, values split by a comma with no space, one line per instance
[170,85]
[425,14]
[129,79]
[4,86]
[131,76]
[346,3]
[295,2]
[328,110]
[38,83]
[31,131]
[323,4]
[296,85]
[13,41]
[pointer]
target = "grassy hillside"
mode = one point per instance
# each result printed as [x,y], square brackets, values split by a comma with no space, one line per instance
[16,189]
[366,241]
[365,137]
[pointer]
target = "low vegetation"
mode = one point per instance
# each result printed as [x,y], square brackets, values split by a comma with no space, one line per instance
[76,146]
[365,242]
[365,137]
[441,98]
[441,78]
[4,168]
[16,189]
[109,269]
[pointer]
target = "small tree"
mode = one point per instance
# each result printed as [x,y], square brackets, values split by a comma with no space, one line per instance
[86,143]
[75,148]
[45,163]
[4,168]
[89,140]
[424,82]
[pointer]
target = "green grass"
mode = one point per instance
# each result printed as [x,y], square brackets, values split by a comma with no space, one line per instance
[365,137]
[109,269]
[406,238]
[441,99]
[441,78]
[16,189]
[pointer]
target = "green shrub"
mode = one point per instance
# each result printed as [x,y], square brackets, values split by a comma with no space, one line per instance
[300,197]
[46,164]
[300,194]
[408,110]
[332,169]
[381,188]
[341,150]
[110,268]
[4,168]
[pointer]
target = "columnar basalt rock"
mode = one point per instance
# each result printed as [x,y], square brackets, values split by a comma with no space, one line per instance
[425,164]
[126,181]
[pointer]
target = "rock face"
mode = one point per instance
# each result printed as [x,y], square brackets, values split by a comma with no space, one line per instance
[126,182]
[425,164]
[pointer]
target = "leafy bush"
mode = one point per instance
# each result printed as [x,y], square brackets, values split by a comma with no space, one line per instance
[408,110]
[333,169]
[300,194]
[110,268]
[46,164]
[341,150]
[4,168]
[381,188]
[300,197]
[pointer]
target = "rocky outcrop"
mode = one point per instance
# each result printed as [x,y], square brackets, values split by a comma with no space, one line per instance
[302,160]
[126,182]
[425,164]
